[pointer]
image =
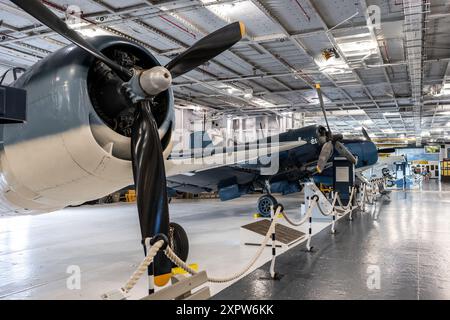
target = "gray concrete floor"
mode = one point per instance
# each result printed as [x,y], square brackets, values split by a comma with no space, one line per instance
[409,242]
[403,254]
[103,241]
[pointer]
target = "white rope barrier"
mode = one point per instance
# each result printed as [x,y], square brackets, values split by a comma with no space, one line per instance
[172,256]
[304,219]
[142,267]
[335,211]
[333,204]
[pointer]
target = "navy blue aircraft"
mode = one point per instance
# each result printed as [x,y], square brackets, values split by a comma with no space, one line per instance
[302,154]
[294,166]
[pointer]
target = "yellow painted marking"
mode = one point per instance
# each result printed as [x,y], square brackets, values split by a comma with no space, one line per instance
[317,85]
[242,27]
[162,279]
[181,271]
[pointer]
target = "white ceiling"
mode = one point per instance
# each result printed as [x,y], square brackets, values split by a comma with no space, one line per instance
[390,77]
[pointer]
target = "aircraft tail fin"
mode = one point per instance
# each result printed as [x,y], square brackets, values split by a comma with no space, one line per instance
[200,140]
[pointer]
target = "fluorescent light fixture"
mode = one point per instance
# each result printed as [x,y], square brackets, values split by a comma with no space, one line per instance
[262,103]
[92,32]
[388,130]
[349,112]
[332,65]
[359,47]
[86,29]
[366,122]
[391,114]
[248,93]
[229,11]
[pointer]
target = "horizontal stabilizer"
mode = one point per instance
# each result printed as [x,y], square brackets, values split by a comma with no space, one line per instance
[200,140]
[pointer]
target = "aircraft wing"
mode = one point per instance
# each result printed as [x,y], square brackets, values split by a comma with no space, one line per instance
[383,162]
[249,153]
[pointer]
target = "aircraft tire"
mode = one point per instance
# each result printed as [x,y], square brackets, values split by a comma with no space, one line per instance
[178,241]
[264,204]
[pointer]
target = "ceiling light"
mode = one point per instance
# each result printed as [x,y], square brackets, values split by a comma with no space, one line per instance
[348,112]
[362,47]
[92,32]
[332,65]
[391,114]
[248,93]
[262,103]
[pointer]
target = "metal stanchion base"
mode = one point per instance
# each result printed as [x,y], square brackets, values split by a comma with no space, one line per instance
[277,277]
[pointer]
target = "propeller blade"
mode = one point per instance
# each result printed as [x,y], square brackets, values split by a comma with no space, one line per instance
[322,106]
[325,155]
[47,17]
[206,49]
[365,134]
[150,182]
[343,151]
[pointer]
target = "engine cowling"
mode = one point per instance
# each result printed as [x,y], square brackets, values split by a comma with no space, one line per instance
[75,146]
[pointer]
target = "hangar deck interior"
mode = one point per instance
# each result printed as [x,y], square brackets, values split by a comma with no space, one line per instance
[224,107]
[408,242]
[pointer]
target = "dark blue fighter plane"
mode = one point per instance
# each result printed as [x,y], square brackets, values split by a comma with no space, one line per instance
[294,165]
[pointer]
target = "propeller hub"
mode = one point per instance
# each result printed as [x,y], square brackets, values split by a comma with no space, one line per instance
[155,80]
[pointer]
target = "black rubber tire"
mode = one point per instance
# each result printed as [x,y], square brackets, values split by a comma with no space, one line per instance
[178,241]
[264,203]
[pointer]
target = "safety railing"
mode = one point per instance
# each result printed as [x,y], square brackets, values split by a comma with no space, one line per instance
[337,211]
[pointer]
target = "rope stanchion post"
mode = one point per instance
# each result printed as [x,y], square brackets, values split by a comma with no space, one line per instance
[363,202]
[150,277]
[274,249]
[274,212]
[333,230]
[312,203]
[350,204]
